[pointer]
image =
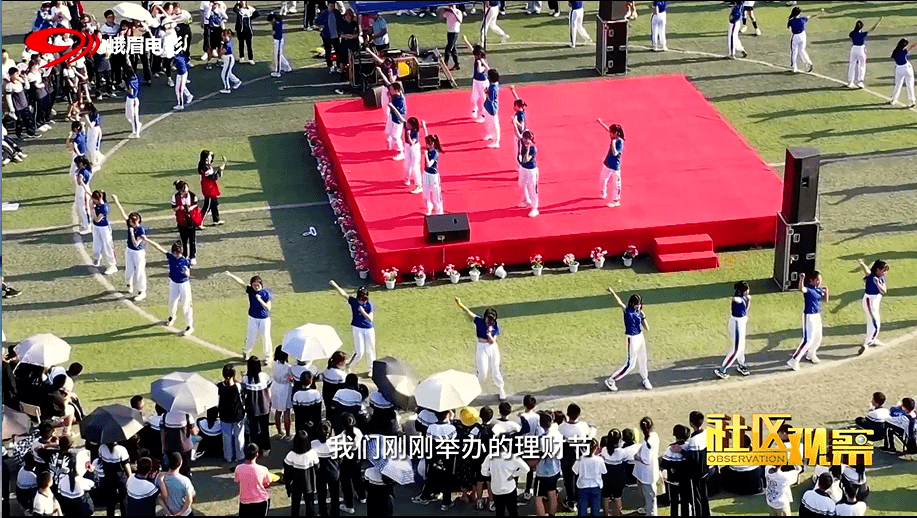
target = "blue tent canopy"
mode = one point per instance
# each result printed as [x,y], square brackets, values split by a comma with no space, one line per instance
[382,7]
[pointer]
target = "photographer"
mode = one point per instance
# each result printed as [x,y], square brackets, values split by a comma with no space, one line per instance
[209,187]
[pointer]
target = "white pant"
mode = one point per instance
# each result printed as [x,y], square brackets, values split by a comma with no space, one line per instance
[395,130]
[636,354]
[364,342]
[93,144]
[798,50]
[856,71]
[607,174]
[280,61]
[649,498]
[904,76]
[528,184]
[478,97]
[576,26]
[811,336]
[657,31]
[182,93]
[135,269]
[102,245]
[487,356]
[871,306]
[81,207]
[229,79]
[180,292]
[259,328]
[737,329]
[735,46]
[492,125]
[432,193]
[412,169]
[490,23]
[533,7]
[132,113]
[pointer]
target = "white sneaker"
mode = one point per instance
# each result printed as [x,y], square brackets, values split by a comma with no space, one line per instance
[494,145]
[169,321]
[237,85]
[225,91]
[190,100]
[534,213]
[275,74]
[97,262]
[878,343]
[612,386]
[171,82]
[793,364]
[193,262]
[348,510]
[178,107]
[398,157]
[134,135]
[744,29]
[140,296]
[188,331]
[757,32]
[614,204]
[813,358]
[647,385]
[417,190]
[44,127]
[851,85]
[111,269]
[861,85]
[504,39]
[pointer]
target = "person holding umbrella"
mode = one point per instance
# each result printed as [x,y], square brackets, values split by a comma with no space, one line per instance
[364,334]
[259,315]
[488,352]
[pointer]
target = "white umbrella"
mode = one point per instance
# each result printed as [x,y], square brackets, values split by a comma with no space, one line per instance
[311,342]
[45,350]
[447,390]
[14,423]
[132,11]
[185,392]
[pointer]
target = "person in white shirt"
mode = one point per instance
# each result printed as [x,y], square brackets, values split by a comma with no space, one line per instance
[454,19]
[589,471]
[646,469]
[547,471]
[44,503]
[503,426]
[849,506]
[504,470]
[875,417]
[575,433]
[817,502]
[777,493]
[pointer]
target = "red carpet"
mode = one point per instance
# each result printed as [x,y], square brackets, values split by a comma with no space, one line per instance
[685,171]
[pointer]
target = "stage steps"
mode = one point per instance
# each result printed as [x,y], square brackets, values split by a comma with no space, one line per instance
[683,253]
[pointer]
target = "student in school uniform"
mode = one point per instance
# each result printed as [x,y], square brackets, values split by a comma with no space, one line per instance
[574,432]
[634,320]
[134,252]
[548,469]
[15,92]
[440,470]
[479,83]
[102,244]
[115,462]
[849,504]
[244,16]
[589,470]
[454,19]
[361,323]
[676,480]
[93,135]
[856,70]
[282,393]
[646,469]
[184,204]
[528,172]
[492,109]
[307,406]
[611,167]
[142,490]
[813,294]
[489,22]
[280,61]
[398,109]
[487,355]
[182,92]
[520,124]
[210,189]
[738,326]
[778,488]
[797,25]
[876,416]
[328,473]
[299,474]
[748,13]
[817,501]
[657,26]
[735,24]
[132,102]
[82,194]
[615,478]
[256,394]
[179,284]
[577,12]
[904,72]
[332,380]
[213,30]
[412,155]
[872,299]
[230,81]
[529,425]
[44,503]
[259,315]
[432,183]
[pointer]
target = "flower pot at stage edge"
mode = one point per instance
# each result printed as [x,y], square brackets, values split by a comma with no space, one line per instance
[573,267]
[537,270]
[390,285]
[475,275]
[599,263]
[420,280]
[628,261]
[455,278]
[364,274]
[499,272]
[353,253]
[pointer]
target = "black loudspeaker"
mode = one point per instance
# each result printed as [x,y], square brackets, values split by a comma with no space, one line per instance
[372,98]
[796,251]
[800,184]
[447,228]
[612,10]
[362,71]
[611,50]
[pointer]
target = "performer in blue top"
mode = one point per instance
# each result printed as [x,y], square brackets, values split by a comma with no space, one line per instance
[872,299]
[856,70]
[738,325]
[132,103]
[487,352]
[102,244]
[280,61]
[611,167]
[259,316]
[229,61]
[398,110]
[93,134]
[813,295]
[577,12]
[179,284]
[492,109]
[657,26]
[735,25]
[432,186]
[82,194]
[478,80]
[634,324]
[413,155]
[528,172]
[77,144]
[134,252]
[904,72]
[797,25]
[182,93]
[519,122]
[362,324]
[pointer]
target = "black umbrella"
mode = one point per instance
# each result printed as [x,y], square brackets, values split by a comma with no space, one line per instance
[396,381]
[111,423]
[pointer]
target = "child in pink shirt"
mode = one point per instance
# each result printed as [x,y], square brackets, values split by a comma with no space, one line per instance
[253,480]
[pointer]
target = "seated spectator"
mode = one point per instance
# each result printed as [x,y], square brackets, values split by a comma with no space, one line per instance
[44,503]
[307,406]
[142,490]
[817,501]
[26,482]
[778,494]
[57,405]
[851,505]
[875,417]
[901,423]
[743,480]
[176,492]
[855,477]
[28,384]
[210,432]
[835,471]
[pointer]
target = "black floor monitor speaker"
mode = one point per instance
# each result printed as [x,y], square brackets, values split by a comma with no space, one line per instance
[796,251]
[447,228]
[800,184]
[612,10]
[362,71]
[372,98]
[611,50]
[428,75]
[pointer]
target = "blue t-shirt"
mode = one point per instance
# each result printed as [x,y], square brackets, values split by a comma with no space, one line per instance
[798,24]
[613,161]
[872,282]
[177,266]
[492,104]
[520,116]
[736,14]
[813,297]
[96,120]
[493,4]
[481,328]
[101,210]
[181,63]
[358,319]
[277,29]
[576,5]
[480,72]
[633,319]
[137,232]
[858,38]
[255,309]
[133,87]
[85,174]
[401,105]
[79,142]
[227,47]
[433,155]
[412,135]
[901,57]
[216,19]
[662,6]
[530,163]
[740,306]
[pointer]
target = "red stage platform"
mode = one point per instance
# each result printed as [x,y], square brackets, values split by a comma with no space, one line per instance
[686,172]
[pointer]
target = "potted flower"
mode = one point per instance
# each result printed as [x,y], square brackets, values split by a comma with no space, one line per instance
[598,257]
[499,271]
[475,264]
[629,255]
[453,274]
[390,276]
[537,264]
[420,276]
[362,265]
[570,261]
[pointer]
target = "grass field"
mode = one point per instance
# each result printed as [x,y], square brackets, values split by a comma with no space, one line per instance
[560,336]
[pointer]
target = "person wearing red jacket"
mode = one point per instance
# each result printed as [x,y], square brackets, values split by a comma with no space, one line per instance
[188,217]
[210,189]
